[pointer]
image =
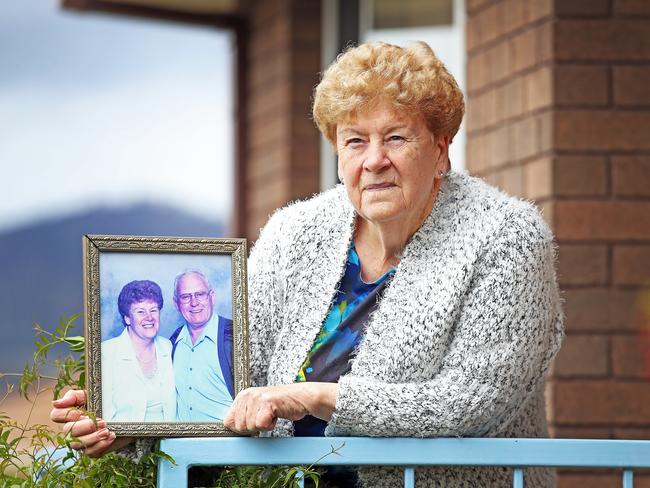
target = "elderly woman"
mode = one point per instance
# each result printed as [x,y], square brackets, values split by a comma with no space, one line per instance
[137,374]
[411,300]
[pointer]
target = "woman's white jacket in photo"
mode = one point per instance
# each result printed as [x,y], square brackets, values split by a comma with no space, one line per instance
[460,343]
[123,388]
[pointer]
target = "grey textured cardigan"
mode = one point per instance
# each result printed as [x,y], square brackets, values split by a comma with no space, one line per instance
[460,343]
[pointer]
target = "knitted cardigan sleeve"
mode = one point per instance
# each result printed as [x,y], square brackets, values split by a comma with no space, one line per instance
[266,297]
[506,334]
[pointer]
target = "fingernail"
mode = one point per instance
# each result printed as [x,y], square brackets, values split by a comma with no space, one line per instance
[112,436]
[103,434]
[101,423]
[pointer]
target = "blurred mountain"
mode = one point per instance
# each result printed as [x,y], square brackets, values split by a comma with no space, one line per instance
[41,268]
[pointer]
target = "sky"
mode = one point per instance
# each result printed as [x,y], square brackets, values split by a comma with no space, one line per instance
[98,110]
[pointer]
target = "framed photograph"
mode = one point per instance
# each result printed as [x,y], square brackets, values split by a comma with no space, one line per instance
[166,332]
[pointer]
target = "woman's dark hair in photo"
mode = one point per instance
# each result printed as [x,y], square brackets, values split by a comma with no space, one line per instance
[138,291]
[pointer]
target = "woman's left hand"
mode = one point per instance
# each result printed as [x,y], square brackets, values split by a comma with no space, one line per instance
[258,409]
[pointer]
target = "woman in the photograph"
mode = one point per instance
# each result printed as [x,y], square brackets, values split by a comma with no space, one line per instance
[137,375]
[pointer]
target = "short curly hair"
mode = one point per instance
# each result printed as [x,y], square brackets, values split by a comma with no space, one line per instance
[411,79]
[138,291]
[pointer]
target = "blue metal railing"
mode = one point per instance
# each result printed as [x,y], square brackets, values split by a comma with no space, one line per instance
[405,452]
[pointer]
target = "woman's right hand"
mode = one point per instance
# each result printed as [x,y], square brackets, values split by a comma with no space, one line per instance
[91,437]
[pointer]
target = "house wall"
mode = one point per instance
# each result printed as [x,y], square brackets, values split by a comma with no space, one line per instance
[282,148]
[559,112]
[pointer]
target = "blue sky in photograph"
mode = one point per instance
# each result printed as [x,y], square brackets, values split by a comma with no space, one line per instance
[99,110]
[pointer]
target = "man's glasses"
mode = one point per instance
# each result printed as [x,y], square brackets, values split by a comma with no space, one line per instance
[200,296]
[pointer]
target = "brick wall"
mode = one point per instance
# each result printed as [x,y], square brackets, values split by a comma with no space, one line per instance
[559,112]
[282,149]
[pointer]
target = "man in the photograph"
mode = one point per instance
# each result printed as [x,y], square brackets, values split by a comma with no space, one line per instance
[202,352]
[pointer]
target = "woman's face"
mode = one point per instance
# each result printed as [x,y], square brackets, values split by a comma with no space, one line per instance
[390,164]
[144,319]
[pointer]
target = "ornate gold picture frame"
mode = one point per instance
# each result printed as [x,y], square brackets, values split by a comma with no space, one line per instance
[166,324]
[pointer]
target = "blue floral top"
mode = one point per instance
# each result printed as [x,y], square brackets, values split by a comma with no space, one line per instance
[340,334]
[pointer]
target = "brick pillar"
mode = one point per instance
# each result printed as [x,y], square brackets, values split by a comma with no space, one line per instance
[559,112]
[282,148]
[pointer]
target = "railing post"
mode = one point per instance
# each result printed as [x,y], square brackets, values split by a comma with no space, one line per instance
[172,475]
[300,475]
[409,477]
[518,478]
[628,478]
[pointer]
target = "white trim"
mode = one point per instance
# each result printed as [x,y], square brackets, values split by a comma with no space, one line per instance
[329,50]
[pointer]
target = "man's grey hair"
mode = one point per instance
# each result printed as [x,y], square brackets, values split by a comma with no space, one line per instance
[189,272]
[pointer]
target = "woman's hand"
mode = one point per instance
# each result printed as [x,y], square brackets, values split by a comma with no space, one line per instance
[258,409]
[91,437]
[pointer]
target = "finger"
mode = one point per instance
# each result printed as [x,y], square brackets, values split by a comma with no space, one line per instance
[239,413]
[68,414]
[265,419]
[61,415]
[89,440]
[67,427]
[251,416]
[86,426]
[72,398]
[228,420]
[231,415]
[83,427]
[240,417]
[100,447]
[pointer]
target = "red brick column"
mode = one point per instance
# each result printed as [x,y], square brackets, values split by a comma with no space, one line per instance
[509,81]
[282,147]
[559,112]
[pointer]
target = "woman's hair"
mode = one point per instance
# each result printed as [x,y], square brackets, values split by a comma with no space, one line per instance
[138,291]
[411,79]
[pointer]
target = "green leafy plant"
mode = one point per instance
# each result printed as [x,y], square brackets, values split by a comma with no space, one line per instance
[35,455]
[270,476]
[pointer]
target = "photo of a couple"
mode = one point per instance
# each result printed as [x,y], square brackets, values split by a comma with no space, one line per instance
[166,331]
[185,377]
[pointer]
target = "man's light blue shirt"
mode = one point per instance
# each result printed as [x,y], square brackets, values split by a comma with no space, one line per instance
[201,391]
